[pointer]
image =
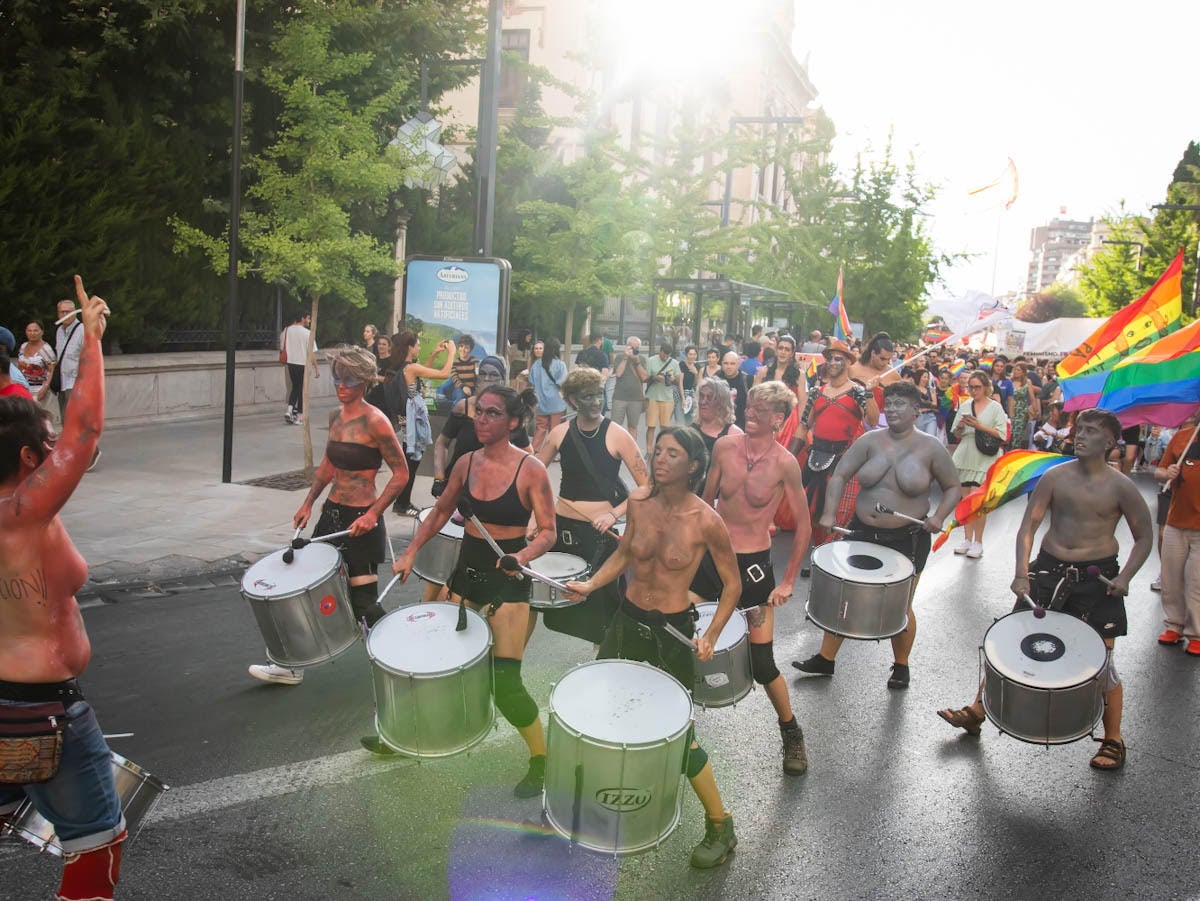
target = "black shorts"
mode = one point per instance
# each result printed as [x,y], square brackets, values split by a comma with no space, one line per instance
[1164,507]
[477,578]
[362,554]
[587,620]
[911,541]
[1067,587]
[758,579]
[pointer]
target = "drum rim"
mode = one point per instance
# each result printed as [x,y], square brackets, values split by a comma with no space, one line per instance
[248,594]
[574,574]
[424,514]
[745,636]
[138,770]
[486,652]
[989,665]
[808,615]
[833,548]
[617,745]
[426,755]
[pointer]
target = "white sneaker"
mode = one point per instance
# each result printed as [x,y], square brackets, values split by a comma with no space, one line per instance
[269,672]
[975,551]
[963,548]
[1156,585]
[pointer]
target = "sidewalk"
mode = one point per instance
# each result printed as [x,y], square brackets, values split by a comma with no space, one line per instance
[154,510]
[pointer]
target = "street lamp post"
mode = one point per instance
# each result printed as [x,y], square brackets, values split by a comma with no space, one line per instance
[489,119]
[235,203]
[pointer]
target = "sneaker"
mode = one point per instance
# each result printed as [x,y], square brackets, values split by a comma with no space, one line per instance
[1156,585]
[718,841]
[269,672]
[899,676]
[963,548]
[795,756]
[975,551]
[535,777]
[95,460]
[1170,637]
[815,665]
[1193,647]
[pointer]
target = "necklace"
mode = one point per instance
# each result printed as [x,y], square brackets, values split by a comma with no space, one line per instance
[594,431]
[750,464]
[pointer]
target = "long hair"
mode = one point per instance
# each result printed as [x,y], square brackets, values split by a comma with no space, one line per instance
[551,349]
[722,397]
[693,445]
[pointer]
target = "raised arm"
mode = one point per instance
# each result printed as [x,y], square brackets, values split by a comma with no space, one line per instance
[428,372]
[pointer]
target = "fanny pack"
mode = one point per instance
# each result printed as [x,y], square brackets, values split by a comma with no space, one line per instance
[31,740]
[824,454]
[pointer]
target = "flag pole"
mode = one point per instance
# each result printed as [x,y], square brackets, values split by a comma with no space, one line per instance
[1166,486]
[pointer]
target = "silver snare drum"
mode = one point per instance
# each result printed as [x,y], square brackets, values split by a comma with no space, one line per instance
[618,735]
[1042,678]
[303,607]
[137,789]
[561,568]
[433,685]
[727,678]
[436,558]
[860,590]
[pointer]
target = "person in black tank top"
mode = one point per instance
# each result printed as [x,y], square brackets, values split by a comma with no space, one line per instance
[504,486]
[592,497]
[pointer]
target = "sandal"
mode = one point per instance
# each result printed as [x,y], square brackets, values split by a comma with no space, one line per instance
[963,718]
[1111,755]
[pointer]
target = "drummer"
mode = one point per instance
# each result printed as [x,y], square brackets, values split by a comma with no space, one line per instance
[43,644]
[668,530]
[592,497]
[896,467]
[360,440]
[1086,500]
[502,486]
[749,477]
[460,428]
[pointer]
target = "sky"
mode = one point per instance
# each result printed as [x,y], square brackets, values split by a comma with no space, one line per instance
[1094,102]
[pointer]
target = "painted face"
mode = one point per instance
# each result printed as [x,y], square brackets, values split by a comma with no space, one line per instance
[589,404]
[835,363]
[900,412]
[671,463]
[492,422]
[348,387]
[762,418]
[33,332]
[488,375]
[1092,439]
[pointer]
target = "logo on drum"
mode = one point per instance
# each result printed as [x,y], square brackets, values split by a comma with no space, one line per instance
[328,605]
[263,583]
[413,617]
[623,800]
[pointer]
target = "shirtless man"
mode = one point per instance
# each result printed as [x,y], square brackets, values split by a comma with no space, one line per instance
[668,531]
[1086,500]
[43,643]
[749,477]
[896,467]
[874,370]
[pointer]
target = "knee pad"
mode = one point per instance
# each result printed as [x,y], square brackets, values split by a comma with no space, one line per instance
[364,601]
[694,761]
[762,662]
[512,700]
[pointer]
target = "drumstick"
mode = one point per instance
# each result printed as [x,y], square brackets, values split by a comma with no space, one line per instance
[842,531]
[1166,486]
[612,529]
[509,563]
[1038,610]
[1094,572]
[388,587]
[290,554]
[880,508]
[676,634]
[61,319]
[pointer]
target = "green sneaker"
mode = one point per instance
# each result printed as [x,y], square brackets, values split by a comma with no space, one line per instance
[718,841]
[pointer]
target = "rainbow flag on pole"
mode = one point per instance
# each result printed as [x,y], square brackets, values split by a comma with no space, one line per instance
[1152,316]
[1159,385]
[1014,474]
[841,322]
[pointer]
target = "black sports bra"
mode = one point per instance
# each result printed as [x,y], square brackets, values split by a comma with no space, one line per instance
[353,456]
[505,510]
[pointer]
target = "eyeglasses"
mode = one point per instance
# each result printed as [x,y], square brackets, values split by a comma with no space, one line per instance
[490,413]
[974,385]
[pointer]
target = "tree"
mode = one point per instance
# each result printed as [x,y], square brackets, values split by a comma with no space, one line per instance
[1059,301]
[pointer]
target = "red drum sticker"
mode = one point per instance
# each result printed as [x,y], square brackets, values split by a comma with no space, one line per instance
[328,604]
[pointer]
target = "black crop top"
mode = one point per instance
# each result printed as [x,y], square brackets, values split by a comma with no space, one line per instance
[578,483]
[505,510]
[353,456]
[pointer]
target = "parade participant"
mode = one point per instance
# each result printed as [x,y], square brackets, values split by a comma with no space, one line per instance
[406,391]
[833,417]
[739,385]
[714,417]
[1023,407]
[874,368]
[592,497]
[895,467]
[1085,499]
[361,439]
[1179,544]
[984,416]
[748,478]
[43,644]
[784,368]
[503,486]
[668,531]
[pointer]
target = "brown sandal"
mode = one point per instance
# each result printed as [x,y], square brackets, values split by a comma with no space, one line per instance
[1111,755]
[963,718]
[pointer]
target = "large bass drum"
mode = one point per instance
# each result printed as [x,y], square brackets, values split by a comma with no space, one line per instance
[618,735]
[727,678]
[137,790]
[433,684]
[436,558]
[860,590]
[303,607]
[1042,678]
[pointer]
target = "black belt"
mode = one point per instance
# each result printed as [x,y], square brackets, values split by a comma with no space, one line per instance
[830,447]
[656,618]
[41,692]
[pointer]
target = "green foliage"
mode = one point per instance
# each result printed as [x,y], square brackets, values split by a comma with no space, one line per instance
[1059,301]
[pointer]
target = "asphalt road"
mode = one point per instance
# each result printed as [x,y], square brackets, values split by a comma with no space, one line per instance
[272,797]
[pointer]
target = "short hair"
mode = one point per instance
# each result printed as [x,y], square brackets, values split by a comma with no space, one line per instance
[356,362]
[1103,418]
[755,330]
[714,350]
[692,443]
[729,353]
[774,393]
[465,340]
[496,363]
[903,389]
[666,348]
[580,381]
[22,424]
[722,397]
[296,317]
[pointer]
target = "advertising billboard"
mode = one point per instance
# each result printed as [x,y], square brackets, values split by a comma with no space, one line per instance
[452,296]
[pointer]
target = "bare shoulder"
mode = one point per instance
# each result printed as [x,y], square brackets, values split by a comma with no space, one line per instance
[640,494]
[333,415]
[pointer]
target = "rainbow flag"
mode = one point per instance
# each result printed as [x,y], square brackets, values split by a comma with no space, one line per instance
[1159,385]
[986,362]
[841,322]
[1014,474]
[958,367]
[1153,315]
